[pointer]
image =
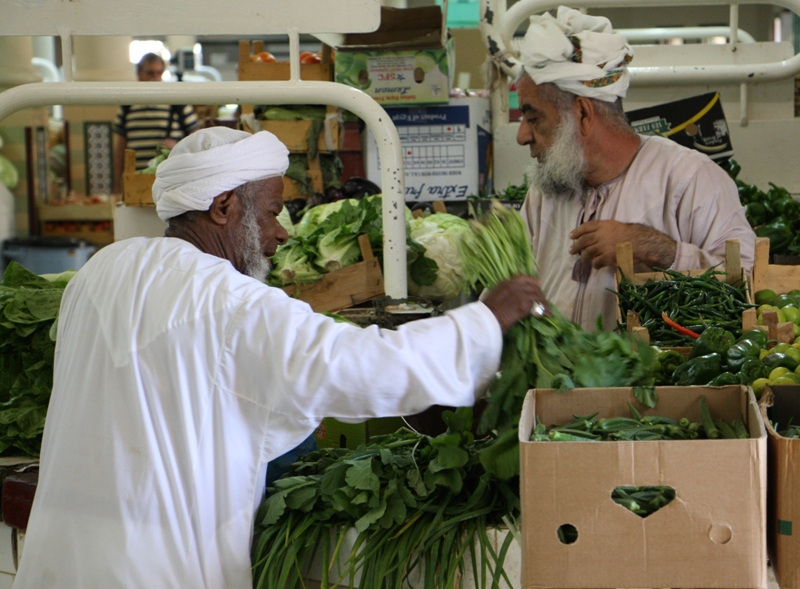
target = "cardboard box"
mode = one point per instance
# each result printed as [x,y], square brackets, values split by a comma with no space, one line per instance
[713,534]
[783,505]
[697,123]
[275,71]
[447,150]
[332,433]
[408,60]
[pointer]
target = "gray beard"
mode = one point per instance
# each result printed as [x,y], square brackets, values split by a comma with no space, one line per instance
[256,265]
[560,174]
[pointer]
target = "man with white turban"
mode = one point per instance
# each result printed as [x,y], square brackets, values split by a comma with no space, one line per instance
[178,377]
[596,183]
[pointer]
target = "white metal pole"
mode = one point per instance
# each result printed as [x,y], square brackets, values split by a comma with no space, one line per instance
[297,92]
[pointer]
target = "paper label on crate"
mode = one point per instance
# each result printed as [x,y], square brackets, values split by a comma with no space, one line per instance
[437,151]
[784,527]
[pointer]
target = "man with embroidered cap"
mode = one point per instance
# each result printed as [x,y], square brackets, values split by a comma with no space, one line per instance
[596,183]
[179,374]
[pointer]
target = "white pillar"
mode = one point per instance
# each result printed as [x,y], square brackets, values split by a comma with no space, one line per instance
[15,62]
[44,47]
[102,58]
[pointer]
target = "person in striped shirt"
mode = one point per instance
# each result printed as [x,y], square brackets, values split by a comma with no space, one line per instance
[146,128]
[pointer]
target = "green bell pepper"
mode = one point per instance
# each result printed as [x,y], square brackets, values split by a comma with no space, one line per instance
[724,379]
[779,232]
[755,335]
[698,371]
[740,352]
[756,213]
[752,370]
[776,359]
[714,339]
[732,167]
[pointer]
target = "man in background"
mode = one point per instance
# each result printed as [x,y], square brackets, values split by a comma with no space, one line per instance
[595,182]
[147,128]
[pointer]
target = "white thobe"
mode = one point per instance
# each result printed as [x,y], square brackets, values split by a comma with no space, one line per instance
[176,379]
[668,187]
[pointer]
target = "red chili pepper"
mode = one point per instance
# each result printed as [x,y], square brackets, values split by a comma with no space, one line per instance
[678,327]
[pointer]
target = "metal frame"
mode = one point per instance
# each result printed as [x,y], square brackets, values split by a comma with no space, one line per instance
[498,35]
[99,17]
[498,26]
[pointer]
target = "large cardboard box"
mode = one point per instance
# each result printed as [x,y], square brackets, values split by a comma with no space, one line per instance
[447,150]
[713,534]
[697,123]
[406,61]
[784,485]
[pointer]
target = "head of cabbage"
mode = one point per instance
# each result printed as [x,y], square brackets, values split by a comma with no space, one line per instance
[438,234]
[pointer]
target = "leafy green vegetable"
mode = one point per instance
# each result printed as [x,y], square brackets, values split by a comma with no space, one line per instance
[546,352]
[29,305]
[438,235]
[415,502]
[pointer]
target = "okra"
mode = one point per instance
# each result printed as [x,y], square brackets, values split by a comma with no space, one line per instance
[708,422]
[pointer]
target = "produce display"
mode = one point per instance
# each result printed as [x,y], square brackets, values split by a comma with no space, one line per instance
[326,239]
[314,113]
[676,311]
[28,308]
[773,214]
[419,503]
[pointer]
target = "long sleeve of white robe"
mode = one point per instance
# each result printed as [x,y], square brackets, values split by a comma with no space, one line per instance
[176,380]
[668,187]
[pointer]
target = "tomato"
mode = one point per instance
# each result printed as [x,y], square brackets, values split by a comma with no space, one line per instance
[266,56]
[309,57]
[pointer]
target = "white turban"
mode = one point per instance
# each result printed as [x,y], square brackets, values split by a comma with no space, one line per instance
[207,163]
[580,54]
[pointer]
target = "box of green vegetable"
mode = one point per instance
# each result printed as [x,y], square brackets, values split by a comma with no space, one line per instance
[781,408]
[650,509]
[672,309]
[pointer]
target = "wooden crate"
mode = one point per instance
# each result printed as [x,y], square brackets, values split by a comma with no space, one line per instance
[255,70]
[77,222]
[137,189]
[777,277]
[733,267]
[294,134]
[346,287]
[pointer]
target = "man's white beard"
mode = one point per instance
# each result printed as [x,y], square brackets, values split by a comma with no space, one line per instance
[560,174]
[256,264]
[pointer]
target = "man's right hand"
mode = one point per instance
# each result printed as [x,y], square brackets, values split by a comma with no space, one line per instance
[513,300]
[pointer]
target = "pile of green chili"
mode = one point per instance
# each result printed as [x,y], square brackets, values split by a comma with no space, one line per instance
[677,310]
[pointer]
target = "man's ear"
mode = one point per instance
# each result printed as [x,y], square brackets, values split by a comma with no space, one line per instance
[584,110]
[223,207]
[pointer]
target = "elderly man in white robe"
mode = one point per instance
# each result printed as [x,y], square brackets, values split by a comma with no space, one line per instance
[596,183]
[179,374]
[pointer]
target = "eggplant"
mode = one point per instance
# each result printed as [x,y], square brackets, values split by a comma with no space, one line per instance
[294,206]
[357,187]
